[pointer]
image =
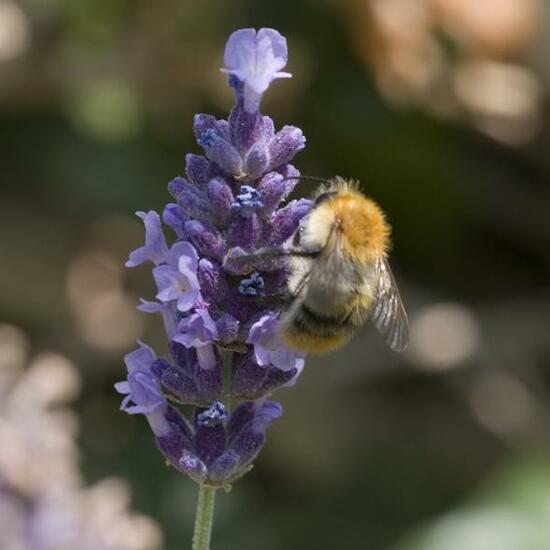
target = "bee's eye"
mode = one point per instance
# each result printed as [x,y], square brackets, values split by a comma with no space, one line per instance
[324,197]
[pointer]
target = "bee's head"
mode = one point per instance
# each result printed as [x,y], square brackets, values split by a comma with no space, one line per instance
[342,216]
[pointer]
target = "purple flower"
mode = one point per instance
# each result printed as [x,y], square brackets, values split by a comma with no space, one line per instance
[268,347]
[220,196]
[168,312]
[200,170]
[257,160]
[199,331]
[193,201]
[177,280]
[213,281]
[284,145]
[256,60]
[143,395]
[285,221]
[221,454]
[185,379]
[220,151]
[155,248]
[273,190]
[250,381]
[219,310]
[206,238]
[174,216]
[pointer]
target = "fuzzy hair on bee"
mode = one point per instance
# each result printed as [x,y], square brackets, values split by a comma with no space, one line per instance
[339,274]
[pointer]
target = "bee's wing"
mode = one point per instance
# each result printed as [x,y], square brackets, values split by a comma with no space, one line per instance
[388,313]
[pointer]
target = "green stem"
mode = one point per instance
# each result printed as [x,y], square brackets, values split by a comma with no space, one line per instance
[204,518]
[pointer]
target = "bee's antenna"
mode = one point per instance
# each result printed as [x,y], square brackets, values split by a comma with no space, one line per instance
[312,178]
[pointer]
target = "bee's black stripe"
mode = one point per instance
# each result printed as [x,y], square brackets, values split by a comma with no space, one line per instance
[327,331]
[310,322]
[317,318]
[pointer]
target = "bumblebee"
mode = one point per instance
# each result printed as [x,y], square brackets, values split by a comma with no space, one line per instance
[339,274]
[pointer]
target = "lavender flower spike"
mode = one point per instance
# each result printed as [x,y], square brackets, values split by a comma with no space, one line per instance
[220,317]
[256,60]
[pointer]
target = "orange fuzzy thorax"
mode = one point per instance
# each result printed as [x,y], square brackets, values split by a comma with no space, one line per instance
[366,234]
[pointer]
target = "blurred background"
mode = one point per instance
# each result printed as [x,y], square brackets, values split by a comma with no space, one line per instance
[440,108]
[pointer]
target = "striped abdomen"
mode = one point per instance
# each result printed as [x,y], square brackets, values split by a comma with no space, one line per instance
[307,329]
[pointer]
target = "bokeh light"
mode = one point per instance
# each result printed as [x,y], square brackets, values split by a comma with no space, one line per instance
[443,336]
[106,317]
[502,403]
[14,30]
[459,59]
[107,110]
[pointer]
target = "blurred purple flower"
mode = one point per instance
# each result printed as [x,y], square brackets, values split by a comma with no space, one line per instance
[44,503]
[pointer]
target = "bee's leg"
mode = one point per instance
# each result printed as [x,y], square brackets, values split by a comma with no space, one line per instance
[263,254]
